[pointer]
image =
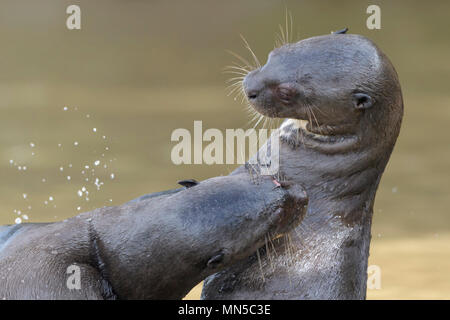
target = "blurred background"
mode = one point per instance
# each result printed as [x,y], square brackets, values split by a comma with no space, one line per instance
[86,115]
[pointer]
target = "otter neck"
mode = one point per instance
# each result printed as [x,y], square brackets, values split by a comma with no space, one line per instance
[332,243]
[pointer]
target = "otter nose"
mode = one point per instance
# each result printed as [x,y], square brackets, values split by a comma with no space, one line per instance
[251,86]
[252,94]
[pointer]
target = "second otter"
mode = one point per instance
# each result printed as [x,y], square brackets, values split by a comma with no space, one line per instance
[157,248]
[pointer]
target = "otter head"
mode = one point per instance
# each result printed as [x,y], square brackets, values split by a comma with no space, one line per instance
[336,87]
[237,234]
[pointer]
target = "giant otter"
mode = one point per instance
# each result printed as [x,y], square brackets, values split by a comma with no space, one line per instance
[344,106]
[155,248]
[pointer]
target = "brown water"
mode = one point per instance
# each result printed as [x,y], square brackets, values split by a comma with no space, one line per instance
[138,70]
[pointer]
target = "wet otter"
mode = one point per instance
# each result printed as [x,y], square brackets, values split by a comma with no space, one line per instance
[344,106]
[155,248]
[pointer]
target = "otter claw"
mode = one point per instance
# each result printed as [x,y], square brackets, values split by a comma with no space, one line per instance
[188,183]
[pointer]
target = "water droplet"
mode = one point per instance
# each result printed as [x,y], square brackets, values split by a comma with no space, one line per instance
[94,129]
[112,175]
[75,143]
[32,144]
[24,195]
[18,221]
[97,162]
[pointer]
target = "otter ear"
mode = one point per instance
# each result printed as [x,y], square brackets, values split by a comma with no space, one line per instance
[362,101]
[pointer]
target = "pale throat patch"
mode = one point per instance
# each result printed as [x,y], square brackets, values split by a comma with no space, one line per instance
[293,126]
[290,125]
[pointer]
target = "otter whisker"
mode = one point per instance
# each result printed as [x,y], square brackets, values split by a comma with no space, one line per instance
[236,85]
[237,66]
[273,246]
[236,69]
[254,116]
[285,33]
[238,72]
[269,256]
[243,60]
[318,109]
[233,90]
[261,117]
[260,265]
[235,80]
[255,58]
[289,257]
[288,16]
[281,36]
[308,111]
[317,123]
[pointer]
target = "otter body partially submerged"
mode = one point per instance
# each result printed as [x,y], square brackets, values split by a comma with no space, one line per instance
[344,106]
[156,248]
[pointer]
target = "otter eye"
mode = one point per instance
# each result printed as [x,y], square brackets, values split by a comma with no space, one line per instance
[362,101]
[285,93]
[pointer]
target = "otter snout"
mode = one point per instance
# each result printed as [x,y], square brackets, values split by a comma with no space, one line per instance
[269,95]
[252,87]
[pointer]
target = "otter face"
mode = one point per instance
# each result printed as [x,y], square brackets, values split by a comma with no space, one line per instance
[255,229]
[259,218]
[329,81]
